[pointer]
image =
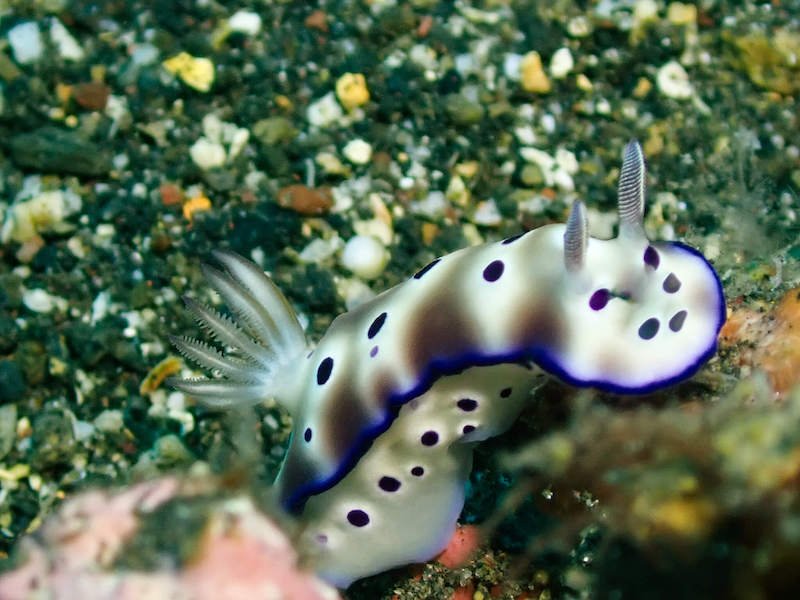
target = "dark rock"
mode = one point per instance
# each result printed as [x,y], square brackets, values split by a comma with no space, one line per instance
[12,383]
[54,150]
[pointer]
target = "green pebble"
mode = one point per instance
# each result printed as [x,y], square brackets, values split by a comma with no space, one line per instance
[275,130]
[531,176]
[463,111]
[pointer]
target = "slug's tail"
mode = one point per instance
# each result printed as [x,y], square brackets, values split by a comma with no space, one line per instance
[262,343]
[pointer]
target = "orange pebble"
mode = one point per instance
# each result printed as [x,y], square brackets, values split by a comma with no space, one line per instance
[465,592]
[461,547]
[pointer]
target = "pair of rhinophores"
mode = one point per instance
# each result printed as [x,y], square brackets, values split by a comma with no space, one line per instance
[388,406]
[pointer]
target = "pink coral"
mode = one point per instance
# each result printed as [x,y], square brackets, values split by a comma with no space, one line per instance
[241,554]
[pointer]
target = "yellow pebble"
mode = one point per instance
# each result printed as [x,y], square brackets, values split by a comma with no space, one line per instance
[153,380]
[351,90]
[584,83]
[679,13]
[198,203]
[196,72]
[643,87]
[532,75]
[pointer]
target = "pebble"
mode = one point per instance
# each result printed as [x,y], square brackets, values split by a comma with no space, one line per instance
[358,152]
[679,13]
[579,27]
[207,154]
[54,150]
[12,389]
[325,112]
[246,22]
[8,415]
[26,42]
[557,170]
[532,76]
[487,214]
[196,72]
[40,301]
[110,421]
[305,200]
[364,256]
[462,110]
[562,63]
[673,81]
[45,211]
[92,95]
[67,46]
[352,91]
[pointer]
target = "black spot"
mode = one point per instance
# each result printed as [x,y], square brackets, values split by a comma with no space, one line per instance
[505,392]
[493,270]
[429,438]
[468,429]
[677,320]
[417,471]
[358,518]
[307,434]
[426,268]
[467,404]
[376,325]
[324,370]
[671,284]
[389,484]
[649,329]
[511,239]
[599,299]
[373,351]
[651,257]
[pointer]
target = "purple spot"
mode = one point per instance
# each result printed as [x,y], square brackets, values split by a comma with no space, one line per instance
[505,392]
[417,471]
[429,438]
[676,322]
[307,434]
[358,518]
[426,268]
[649,329]
[322,538]
[599,299]
[493,270]
[376,325]
[671,284]
[651,258]
[511,239]
[389,484]
[324,370]
[467,404]
[468,429]
[373,352]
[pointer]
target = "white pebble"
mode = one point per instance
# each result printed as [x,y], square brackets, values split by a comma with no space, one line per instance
[487,214]
[325,112]
[26,42]
[357,152]
[207,154]
[673,81]
[40,301]
[511,65]
[246,22]
[68,47]
[109,421]
[364,256]
[562,63]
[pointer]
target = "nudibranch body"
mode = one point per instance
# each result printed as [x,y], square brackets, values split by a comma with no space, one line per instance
[389,405]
